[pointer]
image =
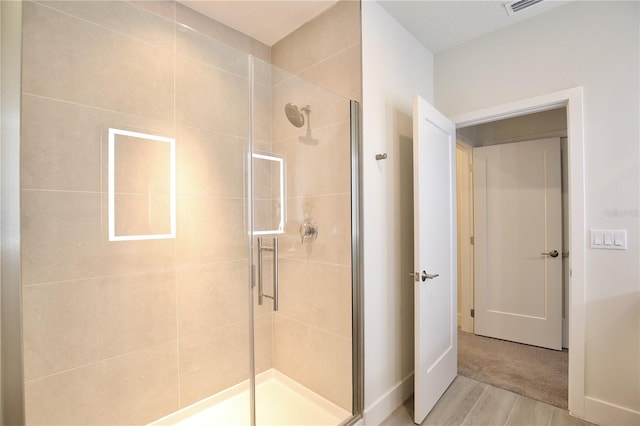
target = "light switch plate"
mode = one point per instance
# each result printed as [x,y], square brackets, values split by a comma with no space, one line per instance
[609,239]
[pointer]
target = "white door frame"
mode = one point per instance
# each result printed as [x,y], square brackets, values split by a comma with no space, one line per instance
[572,99]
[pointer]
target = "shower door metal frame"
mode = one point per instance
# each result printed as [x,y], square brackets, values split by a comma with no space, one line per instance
[357,298]
[12,389]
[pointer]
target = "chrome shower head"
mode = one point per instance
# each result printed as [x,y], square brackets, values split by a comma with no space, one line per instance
[294,114]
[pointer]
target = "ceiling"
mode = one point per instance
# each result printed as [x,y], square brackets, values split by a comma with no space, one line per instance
[441,25]
[438,24]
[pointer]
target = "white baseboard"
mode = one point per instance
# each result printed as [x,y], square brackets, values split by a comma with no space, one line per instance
[387,403]
[605,413]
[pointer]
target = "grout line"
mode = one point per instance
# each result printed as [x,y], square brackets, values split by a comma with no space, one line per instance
[113,30]
[156,121]
[318,262]
[299,73]
[177,269]
[212,66]
[101,360]
[65,101]
[183,196]
[315,327]
[315,129]
[307,196]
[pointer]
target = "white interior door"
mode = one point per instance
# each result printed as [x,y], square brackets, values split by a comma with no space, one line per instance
[435,266]
[518,242]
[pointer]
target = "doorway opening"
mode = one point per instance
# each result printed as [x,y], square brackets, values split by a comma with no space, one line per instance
[569,103]
[511,184]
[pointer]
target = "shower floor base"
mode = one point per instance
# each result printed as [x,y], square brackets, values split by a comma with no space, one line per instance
[279,401]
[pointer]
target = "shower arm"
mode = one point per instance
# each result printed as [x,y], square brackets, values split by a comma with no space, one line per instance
[261,293]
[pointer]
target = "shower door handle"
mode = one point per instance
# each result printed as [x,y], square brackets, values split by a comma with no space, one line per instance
[261,293]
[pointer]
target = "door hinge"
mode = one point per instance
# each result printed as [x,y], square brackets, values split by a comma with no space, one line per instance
[471,167]
[473,313]
[472,240]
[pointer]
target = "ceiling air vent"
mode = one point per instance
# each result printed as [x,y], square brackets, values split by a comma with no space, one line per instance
[520,5]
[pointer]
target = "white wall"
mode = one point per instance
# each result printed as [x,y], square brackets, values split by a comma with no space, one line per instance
[595,45]
[396,67]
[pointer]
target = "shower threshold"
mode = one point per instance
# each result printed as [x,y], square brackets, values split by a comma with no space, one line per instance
[280,401]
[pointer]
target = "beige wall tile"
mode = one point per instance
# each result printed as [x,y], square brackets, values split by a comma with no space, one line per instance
[211,230]
[319,360]
[65,237]
[322,167]
[213,360]
[60,323]
[71,397]
[341,72]
[262,114]
[141,386]
[135,388]
[123,17]
[317,294]
[332,215]
[60,146]
[266,215]
[263,342]
[265,174]
[210,163]
[210,99]
[135,311]
[195,45]
[71,324]
[142,214]
[212,295]
[60,236]
[221,32]
[263,73]
[331,32]
[162,8]
[64,145]
[71,59]
[141,164]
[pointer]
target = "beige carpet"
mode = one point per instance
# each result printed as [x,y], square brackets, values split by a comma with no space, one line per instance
[531,371]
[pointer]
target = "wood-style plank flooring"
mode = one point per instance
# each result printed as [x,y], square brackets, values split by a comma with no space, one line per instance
[469,402]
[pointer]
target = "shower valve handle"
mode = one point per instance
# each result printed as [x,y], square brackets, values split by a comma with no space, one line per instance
[308,231]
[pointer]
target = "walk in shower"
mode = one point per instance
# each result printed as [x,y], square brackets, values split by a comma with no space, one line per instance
[188,254]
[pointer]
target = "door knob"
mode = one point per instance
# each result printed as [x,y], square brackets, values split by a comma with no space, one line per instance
[552,253]
[424,276]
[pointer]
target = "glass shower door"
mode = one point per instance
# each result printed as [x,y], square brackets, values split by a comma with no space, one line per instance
[302,246]
[213,114]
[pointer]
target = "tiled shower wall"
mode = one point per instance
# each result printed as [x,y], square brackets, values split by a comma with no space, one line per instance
[125,332]
[312,330]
